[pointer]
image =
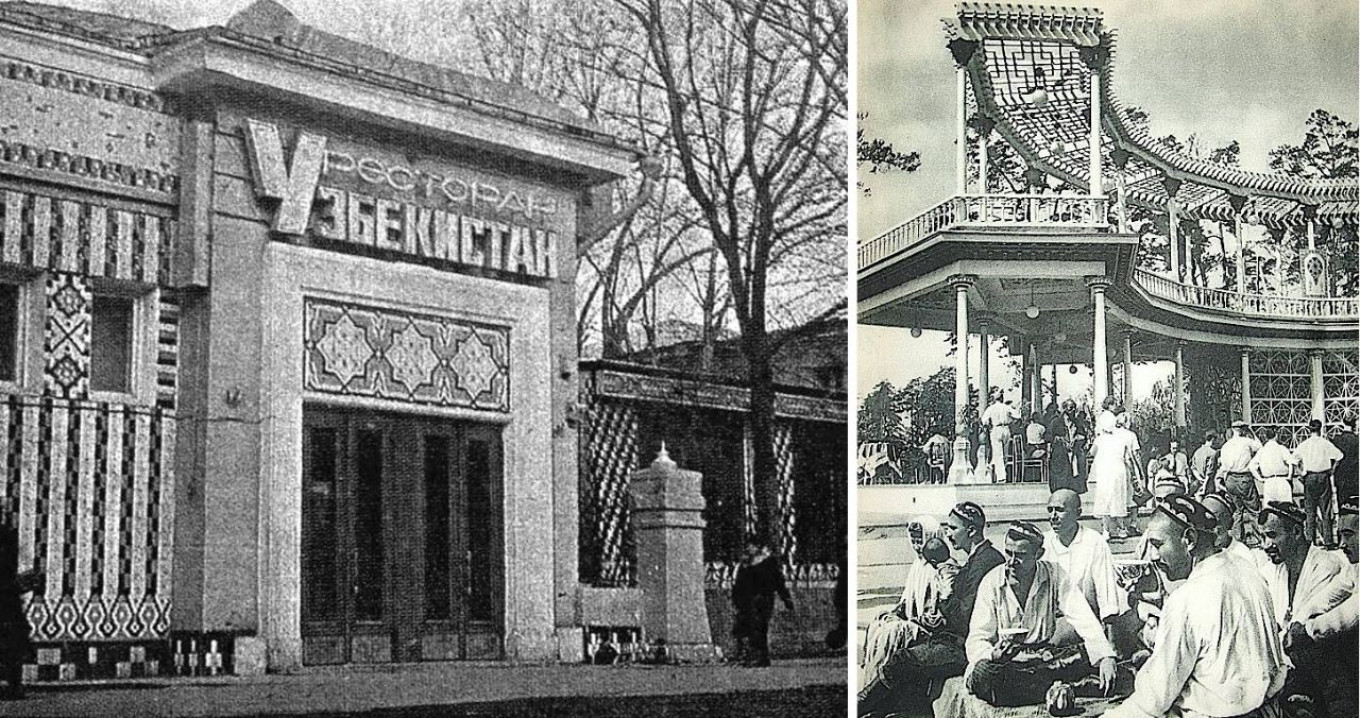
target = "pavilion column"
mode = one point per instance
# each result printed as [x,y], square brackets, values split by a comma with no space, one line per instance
[1097,181]
[1246,384]
[984,378]
[1025,369]
[1315,383]
[1127,395]
[960,470]
[1180,385]
[1035,377]
[1099,362]
[1173,186]
[961,131]
[1053,390]
[1238,202]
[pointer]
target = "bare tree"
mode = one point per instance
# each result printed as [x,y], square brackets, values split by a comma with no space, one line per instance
[755,104]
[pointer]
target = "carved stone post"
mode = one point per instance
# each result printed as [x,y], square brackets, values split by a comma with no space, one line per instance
[961,469]
[1099,362]
[667,519]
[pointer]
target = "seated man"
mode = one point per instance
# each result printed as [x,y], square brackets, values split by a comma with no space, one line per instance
[1083,554]
[1305,581]
[1011,659]
[910,677]
[929,582]
[1336,630]
[1217,652]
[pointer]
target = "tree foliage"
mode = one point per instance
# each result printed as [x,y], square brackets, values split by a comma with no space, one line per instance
[878,154]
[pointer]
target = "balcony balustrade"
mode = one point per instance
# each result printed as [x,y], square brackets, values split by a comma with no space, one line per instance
[1039,211]
[1247,304]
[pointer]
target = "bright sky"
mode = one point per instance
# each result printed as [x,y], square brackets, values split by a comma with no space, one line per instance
[1249,70]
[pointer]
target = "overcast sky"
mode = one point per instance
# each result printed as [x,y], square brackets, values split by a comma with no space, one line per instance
[1245,70]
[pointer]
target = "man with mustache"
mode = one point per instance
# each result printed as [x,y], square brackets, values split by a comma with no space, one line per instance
[911,678]
[1011,658]
[1217,652]
[1305,582]
[1334,632]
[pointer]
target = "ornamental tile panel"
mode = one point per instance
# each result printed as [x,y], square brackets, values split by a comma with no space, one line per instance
[355,350]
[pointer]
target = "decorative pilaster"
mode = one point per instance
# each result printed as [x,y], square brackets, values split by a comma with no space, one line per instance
[960,470]
[1120,157]
[1099,360]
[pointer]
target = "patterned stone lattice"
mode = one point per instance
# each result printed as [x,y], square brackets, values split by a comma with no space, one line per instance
[1281,390]
[66,347]
[1340,387]
[86,238]
[92,485]
[386,354]
[611,437]
[783,461]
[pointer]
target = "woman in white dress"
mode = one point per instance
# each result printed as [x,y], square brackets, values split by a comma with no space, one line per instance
[1109,470]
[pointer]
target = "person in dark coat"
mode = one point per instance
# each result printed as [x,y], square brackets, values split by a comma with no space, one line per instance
[759,579]
[1079,439]
[14,629]
[1059,453]
[909,680]
[1346,473]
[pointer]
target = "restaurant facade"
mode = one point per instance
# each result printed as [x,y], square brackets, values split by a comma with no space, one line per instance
[288,364]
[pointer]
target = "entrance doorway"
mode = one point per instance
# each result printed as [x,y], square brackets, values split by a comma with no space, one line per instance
[402,554]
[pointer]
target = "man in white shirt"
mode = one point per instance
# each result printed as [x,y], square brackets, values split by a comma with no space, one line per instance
[1011,659]
[1305,581]
[1217,651]
[1204,464]
[1083,554]
[998,418]
[1317,458]
[1237,482]
[1273,465]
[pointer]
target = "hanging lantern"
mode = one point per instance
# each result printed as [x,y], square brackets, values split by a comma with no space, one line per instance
[915,332]
[1071,368]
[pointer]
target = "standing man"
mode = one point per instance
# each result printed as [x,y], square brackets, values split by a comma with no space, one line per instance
[1217,651]
[1237,482]
[911,678]
[1273,466]
[997,419]
[758,580]
[1204,464]
[1011,659]
[1317,457]
[1346,477]
[1079,430]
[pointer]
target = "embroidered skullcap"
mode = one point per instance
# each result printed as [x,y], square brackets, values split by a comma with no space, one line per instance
[1348,506]
[1167,486]
[1025,531]
[1288,512]
[1188,513]
[971,514]
[1219,497]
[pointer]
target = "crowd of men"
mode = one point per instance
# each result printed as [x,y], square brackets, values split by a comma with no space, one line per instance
[1235,602]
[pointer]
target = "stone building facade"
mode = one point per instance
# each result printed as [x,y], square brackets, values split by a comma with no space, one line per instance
[288,348]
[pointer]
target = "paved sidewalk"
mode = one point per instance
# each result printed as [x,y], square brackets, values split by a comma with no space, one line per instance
[795,687]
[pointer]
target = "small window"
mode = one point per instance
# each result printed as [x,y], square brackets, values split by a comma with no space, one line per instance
[9,332]
[111,344]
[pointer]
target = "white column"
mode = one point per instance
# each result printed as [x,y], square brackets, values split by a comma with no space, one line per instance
[960,470]
[1180,384]
[1315,384]
[961,132]
[1174,239]
[1099,362]
[1312,236]
[1241,255]
[984,378]
[1128,370]
[1097,188]
[1246,384]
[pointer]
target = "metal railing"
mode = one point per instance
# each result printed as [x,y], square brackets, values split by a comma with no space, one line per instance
[988,210]
[1247,304]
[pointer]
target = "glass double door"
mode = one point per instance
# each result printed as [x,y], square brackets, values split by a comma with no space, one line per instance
[402,549]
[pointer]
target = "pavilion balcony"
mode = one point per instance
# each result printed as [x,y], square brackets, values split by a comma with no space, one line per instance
[1247,304]
[1045,212]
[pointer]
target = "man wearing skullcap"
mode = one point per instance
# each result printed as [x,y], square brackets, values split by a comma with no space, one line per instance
[1217,651]
[1305,582]
[1221,507]
[911,677]
[1011,660]
[1343,618]
[1317,457]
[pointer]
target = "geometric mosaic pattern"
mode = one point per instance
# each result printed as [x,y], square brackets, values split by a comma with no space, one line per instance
[366,351]
[1341,387]
[92,485]
[611,438]
[1281,390]
[67,340]
[84,238]
[783,462]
